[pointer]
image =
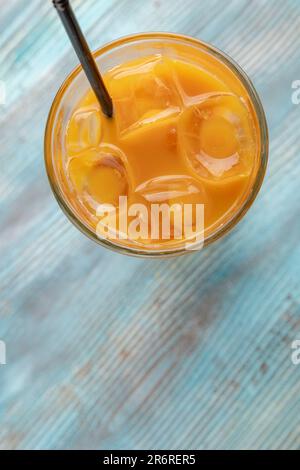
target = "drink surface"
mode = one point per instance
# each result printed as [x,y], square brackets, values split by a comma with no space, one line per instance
[183,132]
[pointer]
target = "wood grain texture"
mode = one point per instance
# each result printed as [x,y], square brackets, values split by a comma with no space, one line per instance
[105,351]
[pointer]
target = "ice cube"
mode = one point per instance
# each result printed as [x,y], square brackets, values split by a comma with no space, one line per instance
[100,175]
[180,193]
[217,136]
[143,93]
[193,80]
[165,188]
[84,130]
[78,166]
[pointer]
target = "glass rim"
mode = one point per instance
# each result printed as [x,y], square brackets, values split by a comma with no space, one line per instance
[263,151]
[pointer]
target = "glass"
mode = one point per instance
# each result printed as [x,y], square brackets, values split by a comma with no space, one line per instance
[109,56]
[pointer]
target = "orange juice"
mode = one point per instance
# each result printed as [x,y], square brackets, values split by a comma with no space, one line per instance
[184,132]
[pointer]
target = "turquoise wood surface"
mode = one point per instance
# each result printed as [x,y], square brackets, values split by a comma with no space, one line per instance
[106,351]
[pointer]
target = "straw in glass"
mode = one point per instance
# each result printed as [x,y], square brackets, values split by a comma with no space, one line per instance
[84,54]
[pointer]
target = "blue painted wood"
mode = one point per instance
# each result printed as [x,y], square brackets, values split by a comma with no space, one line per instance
[105,351]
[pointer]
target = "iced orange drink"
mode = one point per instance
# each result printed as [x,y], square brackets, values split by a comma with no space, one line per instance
[188,135]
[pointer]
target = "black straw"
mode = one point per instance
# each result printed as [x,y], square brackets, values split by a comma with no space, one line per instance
[84,54]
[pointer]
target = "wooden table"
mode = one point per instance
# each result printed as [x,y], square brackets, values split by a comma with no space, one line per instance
[107,351]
